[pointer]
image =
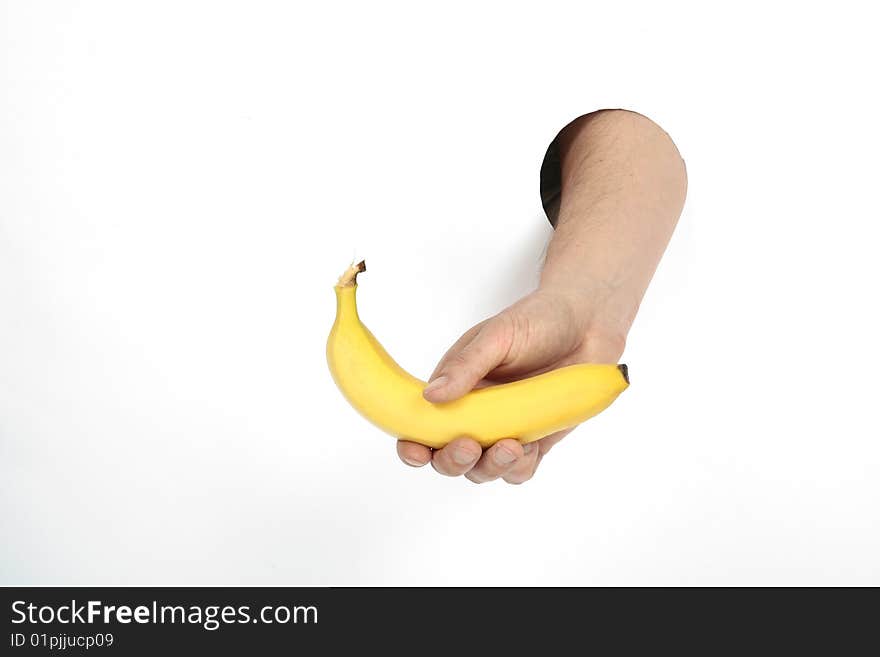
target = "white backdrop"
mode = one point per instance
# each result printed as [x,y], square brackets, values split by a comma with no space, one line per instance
[181,183]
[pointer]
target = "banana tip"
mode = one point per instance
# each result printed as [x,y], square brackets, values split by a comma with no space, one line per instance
[624,370]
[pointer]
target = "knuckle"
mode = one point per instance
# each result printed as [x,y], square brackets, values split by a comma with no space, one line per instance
[458,359]
[522,474]
[482,477]
[490,468]
[441,469]
[500,334]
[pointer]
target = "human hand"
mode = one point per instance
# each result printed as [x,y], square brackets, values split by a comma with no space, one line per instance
[543,331]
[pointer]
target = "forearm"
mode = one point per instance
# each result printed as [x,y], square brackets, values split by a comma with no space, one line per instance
[623,188]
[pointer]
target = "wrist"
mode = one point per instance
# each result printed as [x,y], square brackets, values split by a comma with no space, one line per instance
[601,317]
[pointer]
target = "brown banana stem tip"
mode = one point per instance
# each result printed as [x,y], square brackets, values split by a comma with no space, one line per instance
[349,278]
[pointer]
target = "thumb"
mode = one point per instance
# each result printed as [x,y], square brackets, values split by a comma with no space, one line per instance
[468,362]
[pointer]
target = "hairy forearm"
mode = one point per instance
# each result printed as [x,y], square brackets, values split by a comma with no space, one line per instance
[623,188]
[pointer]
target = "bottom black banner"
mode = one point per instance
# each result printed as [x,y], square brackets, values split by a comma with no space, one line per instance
[135,621]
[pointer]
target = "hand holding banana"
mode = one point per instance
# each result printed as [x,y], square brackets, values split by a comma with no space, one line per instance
[516,383]
[530,365]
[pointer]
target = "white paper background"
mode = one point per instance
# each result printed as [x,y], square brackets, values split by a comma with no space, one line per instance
[182,182]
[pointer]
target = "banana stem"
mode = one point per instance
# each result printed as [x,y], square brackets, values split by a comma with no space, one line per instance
[349,278]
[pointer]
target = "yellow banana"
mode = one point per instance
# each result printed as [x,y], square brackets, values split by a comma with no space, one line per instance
[391,398]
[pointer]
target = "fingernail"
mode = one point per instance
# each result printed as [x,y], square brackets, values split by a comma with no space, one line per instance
[528,448]
[413,462]
[462,456]
[504,456]
[436,384]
